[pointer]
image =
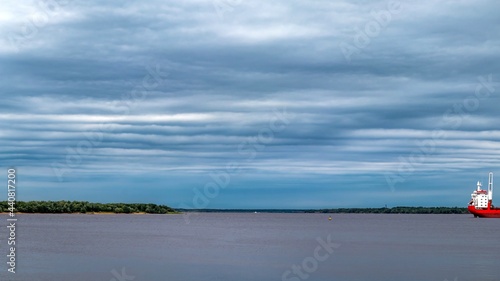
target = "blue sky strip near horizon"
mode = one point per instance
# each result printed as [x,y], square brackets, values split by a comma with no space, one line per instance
[250,104]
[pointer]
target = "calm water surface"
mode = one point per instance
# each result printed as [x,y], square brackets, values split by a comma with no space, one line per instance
[257,247]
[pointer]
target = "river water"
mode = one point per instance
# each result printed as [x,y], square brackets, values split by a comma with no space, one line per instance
[253,246]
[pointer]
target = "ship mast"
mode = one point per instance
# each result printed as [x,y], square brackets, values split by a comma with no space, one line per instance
[490,187]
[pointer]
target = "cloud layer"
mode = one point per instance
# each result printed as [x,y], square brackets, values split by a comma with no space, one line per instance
[138,101]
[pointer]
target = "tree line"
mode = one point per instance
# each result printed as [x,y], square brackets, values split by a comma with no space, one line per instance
[126,208]
[59,207]
[396,210]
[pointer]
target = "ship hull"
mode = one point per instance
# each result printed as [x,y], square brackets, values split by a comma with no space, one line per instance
[485,213]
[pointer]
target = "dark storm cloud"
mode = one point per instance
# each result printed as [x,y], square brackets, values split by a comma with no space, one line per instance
[228,76]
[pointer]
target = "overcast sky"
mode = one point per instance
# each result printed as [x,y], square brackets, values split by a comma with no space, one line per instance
[249,103]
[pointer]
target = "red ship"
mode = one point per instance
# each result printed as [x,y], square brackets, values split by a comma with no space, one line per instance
[481,203]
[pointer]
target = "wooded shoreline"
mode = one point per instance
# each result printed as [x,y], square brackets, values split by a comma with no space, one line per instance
[394,210]
[84,207]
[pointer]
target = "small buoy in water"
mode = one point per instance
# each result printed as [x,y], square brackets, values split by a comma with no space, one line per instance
[329,218]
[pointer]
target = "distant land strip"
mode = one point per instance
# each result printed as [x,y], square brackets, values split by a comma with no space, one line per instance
[71,207]
[394,210]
